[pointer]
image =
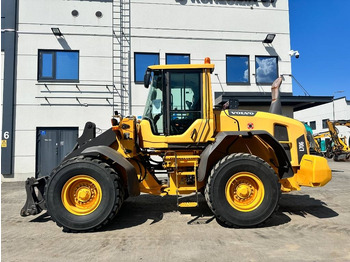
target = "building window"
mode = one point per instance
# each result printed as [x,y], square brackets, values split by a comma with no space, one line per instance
[175,59]
[58,65]
[324,123]
[141,62]
[266,69]
[313,125]
[237,69]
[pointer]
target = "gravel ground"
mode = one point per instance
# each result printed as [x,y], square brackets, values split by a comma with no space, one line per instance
[310,225]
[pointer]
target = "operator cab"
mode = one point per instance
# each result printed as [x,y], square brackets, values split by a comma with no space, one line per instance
[178,93]
[178,104]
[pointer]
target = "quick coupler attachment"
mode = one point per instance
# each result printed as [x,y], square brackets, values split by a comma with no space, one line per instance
[35,202]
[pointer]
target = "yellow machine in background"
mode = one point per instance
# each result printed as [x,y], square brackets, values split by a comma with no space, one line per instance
[240,160]
[313,141]
[339,148]
[323,144]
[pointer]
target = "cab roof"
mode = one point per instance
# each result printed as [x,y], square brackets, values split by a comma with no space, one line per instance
[183,66]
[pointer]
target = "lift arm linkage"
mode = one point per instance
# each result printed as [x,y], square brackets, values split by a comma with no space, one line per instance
[35,202]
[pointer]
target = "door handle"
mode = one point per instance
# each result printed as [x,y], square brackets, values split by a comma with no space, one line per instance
[194,133]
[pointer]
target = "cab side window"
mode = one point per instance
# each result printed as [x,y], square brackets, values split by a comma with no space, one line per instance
[154,106]
[185,100]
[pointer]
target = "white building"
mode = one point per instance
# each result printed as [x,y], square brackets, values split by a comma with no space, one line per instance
[61,59]
[316,117]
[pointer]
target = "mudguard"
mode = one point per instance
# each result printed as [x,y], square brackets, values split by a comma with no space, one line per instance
[216,151]
[123,165]
[90,145]
[89,139]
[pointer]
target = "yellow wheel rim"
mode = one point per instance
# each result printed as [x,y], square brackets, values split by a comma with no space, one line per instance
[244,191]
[81,195]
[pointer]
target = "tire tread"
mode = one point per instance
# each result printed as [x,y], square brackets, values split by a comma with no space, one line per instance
[207,193]
[117,185]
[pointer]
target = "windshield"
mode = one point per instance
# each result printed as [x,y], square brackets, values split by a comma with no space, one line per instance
[153,109]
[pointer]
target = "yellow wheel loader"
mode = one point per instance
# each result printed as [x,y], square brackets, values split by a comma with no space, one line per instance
[240,160]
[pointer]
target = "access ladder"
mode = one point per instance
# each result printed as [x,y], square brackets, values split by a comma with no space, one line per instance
[182,177]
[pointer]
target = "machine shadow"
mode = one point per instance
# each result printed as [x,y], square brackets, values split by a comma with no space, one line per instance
[303,205]
[44,217]
[300,205]
[151,209]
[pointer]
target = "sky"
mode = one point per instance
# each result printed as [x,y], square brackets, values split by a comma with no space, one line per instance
[320,31]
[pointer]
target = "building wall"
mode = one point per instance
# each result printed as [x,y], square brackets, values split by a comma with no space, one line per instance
[214,29]
[199,28]
[287,110]
[339,109]
[91,36]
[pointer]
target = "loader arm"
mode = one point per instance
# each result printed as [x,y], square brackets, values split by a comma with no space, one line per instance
[35,202]
[88,145]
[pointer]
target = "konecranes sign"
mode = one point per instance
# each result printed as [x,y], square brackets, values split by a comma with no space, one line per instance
[225,1]
[270,1]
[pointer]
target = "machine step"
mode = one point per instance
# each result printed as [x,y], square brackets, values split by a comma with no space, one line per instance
[188,204]
[190,173]
[186,188]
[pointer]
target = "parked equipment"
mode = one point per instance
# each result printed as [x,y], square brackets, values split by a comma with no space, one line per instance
[240,160]
[314,146]
[339,148]
[324,140]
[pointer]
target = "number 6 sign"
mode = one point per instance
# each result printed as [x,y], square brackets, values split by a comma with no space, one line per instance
[6,135]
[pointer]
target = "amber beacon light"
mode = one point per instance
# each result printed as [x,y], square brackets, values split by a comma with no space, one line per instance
[207,60]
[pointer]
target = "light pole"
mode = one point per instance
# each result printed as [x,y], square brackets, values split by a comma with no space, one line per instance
[340,91]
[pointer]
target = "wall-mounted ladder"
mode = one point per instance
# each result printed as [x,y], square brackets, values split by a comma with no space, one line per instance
[121,57]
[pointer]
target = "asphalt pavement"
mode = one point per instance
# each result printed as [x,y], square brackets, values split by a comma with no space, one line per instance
[311,225]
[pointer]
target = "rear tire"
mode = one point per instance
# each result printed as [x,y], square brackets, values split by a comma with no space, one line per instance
[329,154]
[242,190]
[83,194]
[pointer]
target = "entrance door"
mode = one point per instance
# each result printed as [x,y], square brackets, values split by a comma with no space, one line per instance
[53,144]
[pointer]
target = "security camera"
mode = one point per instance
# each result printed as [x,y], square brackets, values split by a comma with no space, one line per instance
[294,53]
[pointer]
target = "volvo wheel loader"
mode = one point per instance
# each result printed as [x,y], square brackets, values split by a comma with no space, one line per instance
[240,160]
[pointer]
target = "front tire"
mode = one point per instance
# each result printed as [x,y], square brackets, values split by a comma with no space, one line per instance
[242,190]
[83,194]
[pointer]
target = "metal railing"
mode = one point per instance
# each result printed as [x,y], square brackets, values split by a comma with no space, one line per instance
[76,94]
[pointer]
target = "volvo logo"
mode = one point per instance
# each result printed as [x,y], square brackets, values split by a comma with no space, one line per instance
[242,113]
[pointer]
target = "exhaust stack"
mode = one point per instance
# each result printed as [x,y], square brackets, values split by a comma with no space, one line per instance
[276,106]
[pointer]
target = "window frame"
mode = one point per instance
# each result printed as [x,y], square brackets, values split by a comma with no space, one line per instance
[324,124]
[177,54]
[312,124]
[167,105]
[238,83]
[143,53]
[40,78]
[256,75]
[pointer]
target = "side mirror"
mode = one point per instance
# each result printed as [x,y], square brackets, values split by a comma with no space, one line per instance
[147,78]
